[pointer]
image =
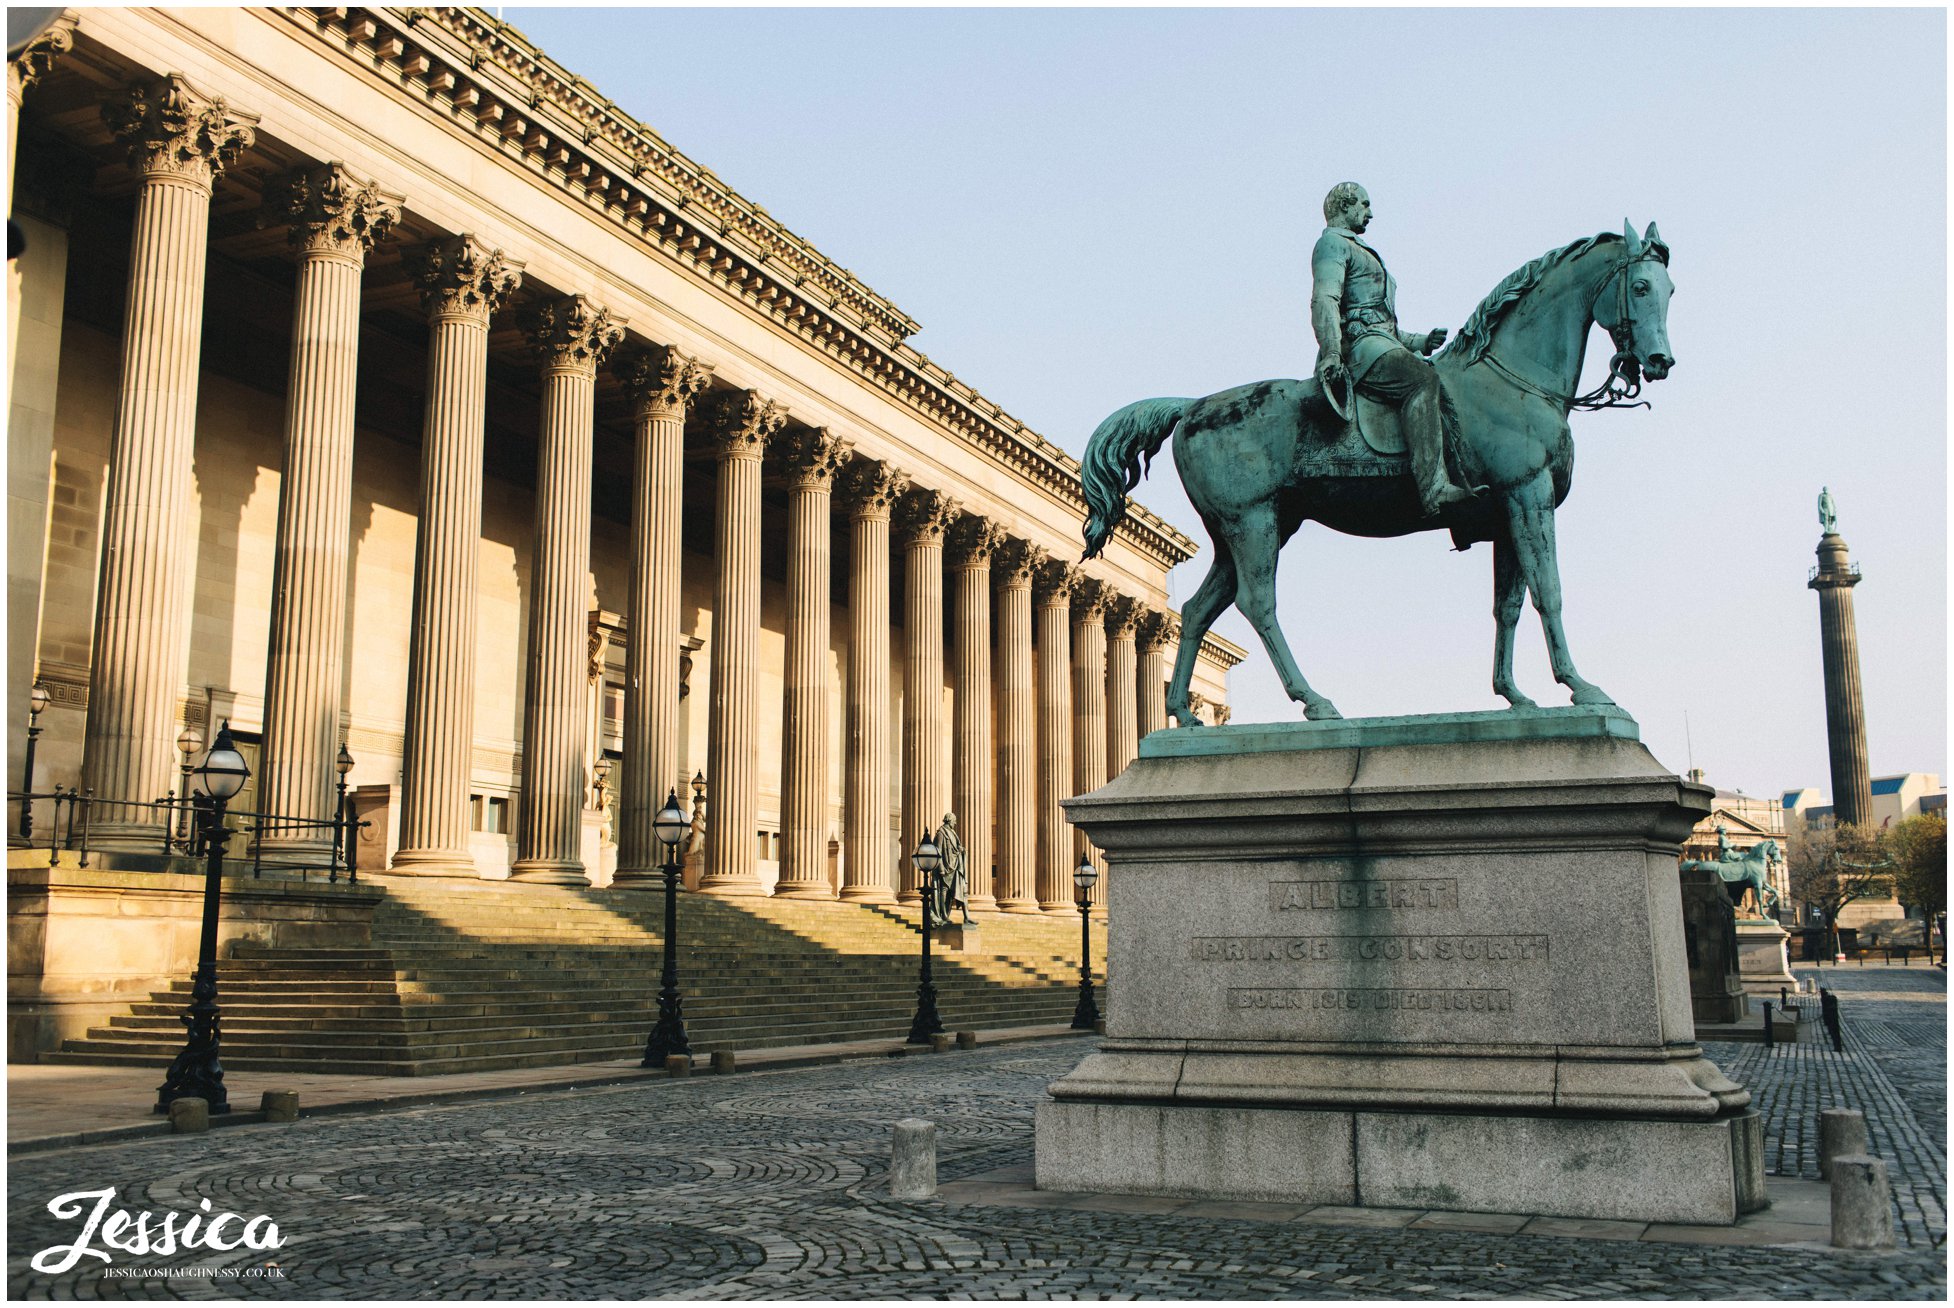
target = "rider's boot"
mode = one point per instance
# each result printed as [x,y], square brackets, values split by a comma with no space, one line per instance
[1424,433]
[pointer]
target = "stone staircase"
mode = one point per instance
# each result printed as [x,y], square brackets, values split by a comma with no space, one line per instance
[475,976]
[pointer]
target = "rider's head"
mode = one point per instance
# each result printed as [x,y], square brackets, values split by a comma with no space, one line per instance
[1347,205]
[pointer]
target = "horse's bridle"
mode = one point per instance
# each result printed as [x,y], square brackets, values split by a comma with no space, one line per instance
[1624,380]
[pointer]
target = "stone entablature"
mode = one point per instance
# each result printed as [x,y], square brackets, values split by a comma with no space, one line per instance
[610,162]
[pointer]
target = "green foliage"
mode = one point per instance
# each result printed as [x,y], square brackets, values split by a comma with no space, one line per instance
[1917,848]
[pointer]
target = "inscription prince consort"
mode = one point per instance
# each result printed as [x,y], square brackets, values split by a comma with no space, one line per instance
[1393,948]
[1404,892]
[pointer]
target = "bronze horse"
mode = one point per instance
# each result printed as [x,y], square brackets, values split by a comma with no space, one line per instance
[1259,460]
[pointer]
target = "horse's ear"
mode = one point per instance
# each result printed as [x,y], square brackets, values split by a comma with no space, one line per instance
[1630,239]
[1653,239]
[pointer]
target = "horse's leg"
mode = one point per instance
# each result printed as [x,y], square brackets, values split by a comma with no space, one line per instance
[1530,523]
[1257,545]
[1509,597]
[1215,593]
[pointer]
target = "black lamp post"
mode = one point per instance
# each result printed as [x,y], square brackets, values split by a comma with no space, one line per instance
[672,824]
[196,1072]
[926,860]
[342,835]
[1086,1016]
[37,700]
[188,742]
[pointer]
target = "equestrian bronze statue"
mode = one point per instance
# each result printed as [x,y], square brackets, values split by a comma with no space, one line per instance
[1260,460]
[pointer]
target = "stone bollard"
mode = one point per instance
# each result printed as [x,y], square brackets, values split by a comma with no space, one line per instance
[280,1105]
[678,1065]
[912,1162]
[1862,1203]
[189,1115]
[966,1039]
[940,1042]
[1840,1131]
[723,1062]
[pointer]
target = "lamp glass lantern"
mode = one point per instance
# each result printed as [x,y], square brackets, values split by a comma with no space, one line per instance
[1085,876]
[672,822]
[37,700]
[927,857]
[223,771]
[344,763]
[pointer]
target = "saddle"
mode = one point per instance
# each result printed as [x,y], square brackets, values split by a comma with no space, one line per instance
[1375,424]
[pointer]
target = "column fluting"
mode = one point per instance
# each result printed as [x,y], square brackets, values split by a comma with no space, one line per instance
[811,460]
[661,384]
[1088,697]
[179,140]
[921,521]
[570,338]
[870,489]
[335,220]
[1158,634]
[972,543]
[1122,694]
[1012,570]
[742,424]
[1054,586]
[1845,710]
[462,283]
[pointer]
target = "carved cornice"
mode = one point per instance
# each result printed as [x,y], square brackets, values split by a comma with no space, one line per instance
[814,456]
[659,380]
[332,212]
[172,129]
[460,277]
[1215,652]
[973,540]
[1016,563]
[924,516]
[1056,581]
[743,422]
[871,487]
[497,87]
[571,334]
[33,63]
[1122,616]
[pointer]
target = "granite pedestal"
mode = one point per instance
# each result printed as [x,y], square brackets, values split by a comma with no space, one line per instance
[1402,962]
[1762,957]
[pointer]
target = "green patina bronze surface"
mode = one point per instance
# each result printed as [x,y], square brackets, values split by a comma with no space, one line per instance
[1259,460]
[1749,868]
[1828,512]
[1571,723]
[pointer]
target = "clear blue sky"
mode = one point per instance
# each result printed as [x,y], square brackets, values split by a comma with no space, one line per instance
[1089,207]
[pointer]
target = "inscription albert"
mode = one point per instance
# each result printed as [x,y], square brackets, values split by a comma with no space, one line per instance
[1403,892]
[1414,949]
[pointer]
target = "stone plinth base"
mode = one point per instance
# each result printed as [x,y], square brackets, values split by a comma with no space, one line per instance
[1611,1168]
[1762,958]
[1416,962]
[959,939]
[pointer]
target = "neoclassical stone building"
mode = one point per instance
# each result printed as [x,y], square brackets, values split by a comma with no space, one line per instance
[377,382]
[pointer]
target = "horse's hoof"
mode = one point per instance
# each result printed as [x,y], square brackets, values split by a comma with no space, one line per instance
[1586,694]
[1515,700]
[1321,710]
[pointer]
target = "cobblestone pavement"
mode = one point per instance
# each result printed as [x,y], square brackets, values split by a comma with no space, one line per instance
[1894,1069]
[773,1186]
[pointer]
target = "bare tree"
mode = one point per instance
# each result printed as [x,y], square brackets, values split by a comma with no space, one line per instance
[1831,865]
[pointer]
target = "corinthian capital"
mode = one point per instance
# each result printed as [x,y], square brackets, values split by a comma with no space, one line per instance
[871,487]
[1056,581]
[172,129]
[571,334]
[1158,629]
[333,212]
[812,458]
[1089,600]
[743,422]
[659,380]
[1122,616]
[925,515]
[460,277]
[973,540]
[1016,563]
[33,63]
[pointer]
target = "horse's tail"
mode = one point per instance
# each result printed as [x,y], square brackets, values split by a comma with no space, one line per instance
[1118,455]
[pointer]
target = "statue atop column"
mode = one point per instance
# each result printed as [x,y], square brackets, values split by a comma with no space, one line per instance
[1828,515]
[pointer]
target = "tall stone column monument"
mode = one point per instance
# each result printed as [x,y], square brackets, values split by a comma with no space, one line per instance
[1845,710]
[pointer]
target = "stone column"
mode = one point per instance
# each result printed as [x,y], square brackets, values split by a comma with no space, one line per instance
[1158,635]
[570,338]
[661,384]
[1122,694]
[179,140]
[742,424]
[462,284]
[871,490]
[922,520]
[972,543]
[1012,569]
[1088,701]
[1845,710]
[1055,584]
[335,219]
[30,67]
[812,459]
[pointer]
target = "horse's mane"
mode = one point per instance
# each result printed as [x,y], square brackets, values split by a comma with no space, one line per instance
[1477,335]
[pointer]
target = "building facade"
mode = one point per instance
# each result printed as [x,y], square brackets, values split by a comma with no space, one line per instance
[378,383]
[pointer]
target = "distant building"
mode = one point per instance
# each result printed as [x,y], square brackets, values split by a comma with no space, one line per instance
[1901,795]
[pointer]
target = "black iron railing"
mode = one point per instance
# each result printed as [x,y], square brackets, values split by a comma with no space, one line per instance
[176,820]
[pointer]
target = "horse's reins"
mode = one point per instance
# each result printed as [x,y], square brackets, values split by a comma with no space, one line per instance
[1619,389]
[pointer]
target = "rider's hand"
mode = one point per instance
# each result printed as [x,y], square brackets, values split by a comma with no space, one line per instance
[1434,340]
[1334,375]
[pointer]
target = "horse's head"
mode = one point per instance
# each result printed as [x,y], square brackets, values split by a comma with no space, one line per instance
[1637,313]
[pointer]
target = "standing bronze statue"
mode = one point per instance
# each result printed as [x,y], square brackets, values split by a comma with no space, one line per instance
[1260,460]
